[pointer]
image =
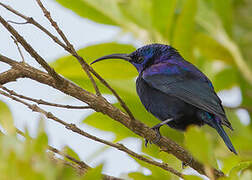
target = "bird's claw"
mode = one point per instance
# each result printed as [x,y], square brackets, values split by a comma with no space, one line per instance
[157,139]
[184,164]
[146,142]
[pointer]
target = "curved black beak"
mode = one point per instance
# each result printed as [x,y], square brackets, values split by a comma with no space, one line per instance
[113,56]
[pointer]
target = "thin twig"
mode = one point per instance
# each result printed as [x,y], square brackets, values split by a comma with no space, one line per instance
[54,24]
[30,50]
[30,20]
[79,58]
[69,45]
[122,103]
[77,130]
[19,23]
[82,166]
[80,163]
[19,50]
[85,68]
[40,101]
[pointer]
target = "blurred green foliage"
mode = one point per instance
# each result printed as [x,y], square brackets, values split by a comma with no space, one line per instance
[29,159]
[214,35]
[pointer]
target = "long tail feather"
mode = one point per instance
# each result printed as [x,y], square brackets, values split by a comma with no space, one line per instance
[215,122]
[224,136]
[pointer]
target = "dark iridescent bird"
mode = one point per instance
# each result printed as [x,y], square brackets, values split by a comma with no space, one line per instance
[174,90]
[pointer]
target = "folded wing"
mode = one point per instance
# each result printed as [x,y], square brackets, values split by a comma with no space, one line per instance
[189,85]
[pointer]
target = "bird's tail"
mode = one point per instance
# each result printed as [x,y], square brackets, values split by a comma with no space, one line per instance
[224,136]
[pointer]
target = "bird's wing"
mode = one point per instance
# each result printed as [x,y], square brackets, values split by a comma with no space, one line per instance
[188,85]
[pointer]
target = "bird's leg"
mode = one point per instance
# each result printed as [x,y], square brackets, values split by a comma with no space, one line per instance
[156,128]
[184,164]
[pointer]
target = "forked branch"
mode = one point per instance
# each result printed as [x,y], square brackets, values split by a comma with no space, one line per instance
[77,130]
[98,103]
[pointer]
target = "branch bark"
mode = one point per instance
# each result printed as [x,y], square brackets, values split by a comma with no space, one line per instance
[77,130]
[72,51]
[100,104]
[40,101]
[10,75]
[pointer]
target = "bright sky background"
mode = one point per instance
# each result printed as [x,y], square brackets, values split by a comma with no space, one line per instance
[80,32]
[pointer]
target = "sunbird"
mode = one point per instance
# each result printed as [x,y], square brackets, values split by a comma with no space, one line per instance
[175,91]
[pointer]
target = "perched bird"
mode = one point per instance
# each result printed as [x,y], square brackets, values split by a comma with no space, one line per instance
[174,90]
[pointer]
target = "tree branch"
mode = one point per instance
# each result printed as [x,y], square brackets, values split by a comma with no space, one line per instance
[40,101]
[77,130]
[74,53]
[98,103]
[19,50]
[10,75]
[68,44]
[101,105]
[30,20]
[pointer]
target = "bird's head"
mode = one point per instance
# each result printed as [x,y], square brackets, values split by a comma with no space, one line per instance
[145,56]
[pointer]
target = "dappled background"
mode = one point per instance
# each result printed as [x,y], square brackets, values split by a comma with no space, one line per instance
[214,35]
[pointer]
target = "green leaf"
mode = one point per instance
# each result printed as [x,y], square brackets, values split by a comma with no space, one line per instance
[199,144]
[241,136]
[229,162]
[239,168]
[40,144]
[6,119]
[246,90]
[139,176]
[70,152]
[192,177]
[185,29]
[156,172]
[206,17]
[105,123]
[163,16]
[94,173]
[95,10]
[139,12]
[220,79]
[69,67]
[224,10]
[212,49]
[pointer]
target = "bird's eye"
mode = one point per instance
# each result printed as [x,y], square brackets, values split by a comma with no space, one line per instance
[140,59]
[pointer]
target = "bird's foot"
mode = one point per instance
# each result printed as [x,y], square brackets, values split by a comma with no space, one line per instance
[157,139]
[146,142]
[185,164]
[156,128]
